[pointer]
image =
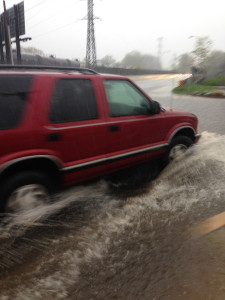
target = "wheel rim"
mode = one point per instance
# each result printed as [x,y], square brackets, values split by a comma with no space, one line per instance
[177,151]
[27,197]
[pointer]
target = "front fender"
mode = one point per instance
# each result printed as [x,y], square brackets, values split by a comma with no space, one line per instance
[187,130]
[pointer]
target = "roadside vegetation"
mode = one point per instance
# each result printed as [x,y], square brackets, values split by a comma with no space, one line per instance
[193,89]
[217,81]
[207,68]
[214,87]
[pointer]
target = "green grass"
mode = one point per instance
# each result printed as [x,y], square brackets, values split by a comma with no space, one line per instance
[193,89]
[217,81]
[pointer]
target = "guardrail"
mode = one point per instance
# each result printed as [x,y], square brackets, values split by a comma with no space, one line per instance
[123,71]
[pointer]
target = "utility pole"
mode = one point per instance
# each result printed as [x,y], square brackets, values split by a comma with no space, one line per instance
[1,45]
[90,50]
[7,37]
[18,50]
[160,39]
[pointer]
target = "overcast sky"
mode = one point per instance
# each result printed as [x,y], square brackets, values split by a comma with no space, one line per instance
[57,28]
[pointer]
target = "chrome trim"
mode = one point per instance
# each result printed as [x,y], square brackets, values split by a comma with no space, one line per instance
[114,157]
[82,165]
[50,127]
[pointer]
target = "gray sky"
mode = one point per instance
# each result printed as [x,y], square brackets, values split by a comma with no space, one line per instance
[56,26]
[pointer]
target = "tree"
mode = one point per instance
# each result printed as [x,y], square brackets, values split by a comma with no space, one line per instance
[216,64]
[150,62]
[174,62]
[131,60]
[202,51]
[108,61]
[184,63]
[32,50]
[136,60]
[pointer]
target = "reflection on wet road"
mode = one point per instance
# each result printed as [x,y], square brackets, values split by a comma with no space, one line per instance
[164,240]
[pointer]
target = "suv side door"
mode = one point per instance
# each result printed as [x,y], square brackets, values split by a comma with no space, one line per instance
[75,128]
[134,134]
[16,122]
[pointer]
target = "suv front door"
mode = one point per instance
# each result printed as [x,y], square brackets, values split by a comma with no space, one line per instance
[133,132]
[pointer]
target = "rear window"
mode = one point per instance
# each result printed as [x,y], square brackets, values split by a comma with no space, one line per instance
[74,100]
[14,90]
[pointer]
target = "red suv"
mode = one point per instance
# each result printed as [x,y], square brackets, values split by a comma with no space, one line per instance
[61,127]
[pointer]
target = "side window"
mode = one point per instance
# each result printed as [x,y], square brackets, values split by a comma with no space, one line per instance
[125,99]
[14,90]
[73,100]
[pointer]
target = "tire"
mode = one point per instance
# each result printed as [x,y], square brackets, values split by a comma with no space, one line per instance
[176,149]
[25,190]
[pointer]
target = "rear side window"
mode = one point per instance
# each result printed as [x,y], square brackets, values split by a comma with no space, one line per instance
[73,100]
[14,90]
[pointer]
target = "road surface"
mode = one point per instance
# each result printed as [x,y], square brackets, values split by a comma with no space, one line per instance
[210,111]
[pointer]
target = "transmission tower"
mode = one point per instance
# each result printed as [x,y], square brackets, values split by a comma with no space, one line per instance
[160,40]
[90,50]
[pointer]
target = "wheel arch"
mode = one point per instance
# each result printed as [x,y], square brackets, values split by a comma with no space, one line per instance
[44,164]
[183,131]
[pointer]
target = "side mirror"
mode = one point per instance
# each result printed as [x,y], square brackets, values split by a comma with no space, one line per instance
[155,108]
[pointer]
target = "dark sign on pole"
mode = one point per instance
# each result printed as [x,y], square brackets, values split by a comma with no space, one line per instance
[12,21]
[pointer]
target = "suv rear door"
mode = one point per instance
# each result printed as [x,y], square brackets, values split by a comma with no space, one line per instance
[16,123]
[75,127]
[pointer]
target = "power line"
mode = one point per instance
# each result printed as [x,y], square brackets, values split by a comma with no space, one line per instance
[36,5]
[36,13]
[54,15]
[74,22]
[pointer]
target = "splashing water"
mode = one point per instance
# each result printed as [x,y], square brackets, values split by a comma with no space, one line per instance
[91,237]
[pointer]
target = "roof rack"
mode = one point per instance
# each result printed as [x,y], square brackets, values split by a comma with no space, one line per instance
[36,67]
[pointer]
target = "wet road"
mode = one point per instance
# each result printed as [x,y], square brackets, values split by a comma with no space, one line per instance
[210,111]
[162,241]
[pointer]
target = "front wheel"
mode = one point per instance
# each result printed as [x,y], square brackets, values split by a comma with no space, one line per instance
[177,148]
[24,191]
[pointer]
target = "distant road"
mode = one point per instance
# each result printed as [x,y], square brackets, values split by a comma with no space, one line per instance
[210,111]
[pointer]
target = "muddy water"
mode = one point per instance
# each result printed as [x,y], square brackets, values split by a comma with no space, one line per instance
[161,241]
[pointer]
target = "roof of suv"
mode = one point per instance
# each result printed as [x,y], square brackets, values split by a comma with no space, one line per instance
[43,69]
[49,70]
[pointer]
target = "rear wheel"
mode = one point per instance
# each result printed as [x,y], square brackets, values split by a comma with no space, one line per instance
[24,191]
[177,148]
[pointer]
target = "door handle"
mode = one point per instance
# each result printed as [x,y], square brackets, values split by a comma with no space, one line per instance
[54,137]
[114,128]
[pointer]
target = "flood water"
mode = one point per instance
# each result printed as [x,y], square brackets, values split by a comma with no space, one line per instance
[155,242]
